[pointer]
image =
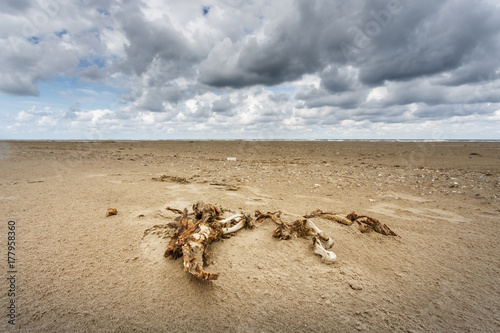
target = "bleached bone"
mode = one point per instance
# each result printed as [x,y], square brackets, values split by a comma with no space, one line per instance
[238,226]
[329,243]
[230,218]
[310,225]
[327,256]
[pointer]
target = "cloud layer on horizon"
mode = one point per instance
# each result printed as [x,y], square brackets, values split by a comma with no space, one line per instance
[255,69]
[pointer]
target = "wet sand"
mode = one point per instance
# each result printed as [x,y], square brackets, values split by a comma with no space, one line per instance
[78,270]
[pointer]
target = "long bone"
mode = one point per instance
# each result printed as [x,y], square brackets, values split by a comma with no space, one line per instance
[327,256]
[310,225]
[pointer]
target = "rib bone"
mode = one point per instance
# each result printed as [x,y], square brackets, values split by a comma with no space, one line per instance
[230,218]
[234,228]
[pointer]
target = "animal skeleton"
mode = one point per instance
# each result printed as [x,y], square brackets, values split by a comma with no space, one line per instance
[196,231]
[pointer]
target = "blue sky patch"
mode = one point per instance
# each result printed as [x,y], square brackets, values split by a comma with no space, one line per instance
[103,12]
[61,33]
[90,61]
[33,40]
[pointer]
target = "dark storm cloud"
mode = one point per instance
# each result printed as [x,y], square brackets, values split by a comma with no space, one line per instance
[385,41]
[150,41]
[279,98]
[316,98]
[337,79]
[443,37]
[14,6]
[222,105]
[481,71]
[291,48]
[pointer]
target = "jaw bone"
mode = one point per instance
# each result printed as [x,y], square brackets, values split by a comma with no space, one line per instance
[327,256]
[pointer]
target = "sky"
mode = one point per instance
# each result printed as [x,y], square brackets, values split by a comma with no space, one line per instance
[249,69]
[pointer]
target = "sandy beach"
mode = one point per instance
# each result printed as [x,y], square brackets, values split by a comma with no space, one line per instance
[78,270]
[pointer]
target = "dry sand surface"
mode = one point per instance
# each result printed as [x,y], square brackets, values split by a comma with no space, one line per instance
[78,270]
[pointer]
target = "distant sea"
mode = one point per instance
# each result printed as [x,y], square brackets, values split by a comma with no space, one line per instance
[271,140]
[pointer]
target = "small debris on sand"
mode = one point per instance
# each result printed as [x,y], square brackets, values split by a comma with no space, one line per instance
[171,179]
[355,285]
